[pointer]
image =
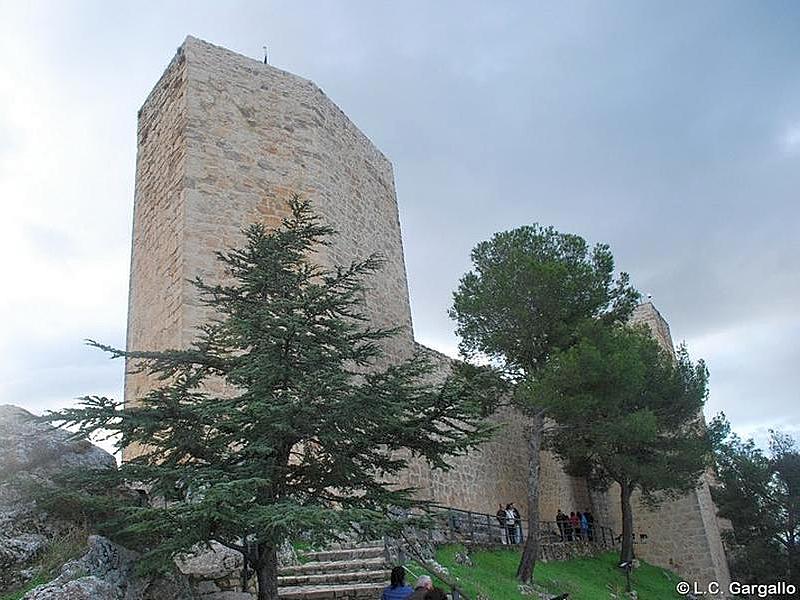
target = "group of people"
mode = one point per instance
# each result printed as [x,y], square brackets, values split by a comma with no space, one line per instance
[577,526]
[510,524]
[423,589]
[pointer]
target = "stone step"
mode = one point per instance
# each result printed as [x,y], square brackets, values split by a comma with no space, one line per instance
[327,566]
[354,591]
[344,554]
[378,576]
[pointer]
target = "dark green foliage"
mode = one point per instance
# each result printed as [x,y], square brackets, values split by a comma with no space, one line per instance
[529,290]
[760,494]
[626,412]
[528,293]
[279,419]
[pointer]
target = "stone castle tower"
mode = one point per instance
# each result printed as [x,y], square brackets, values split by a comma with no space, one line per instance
[224,141]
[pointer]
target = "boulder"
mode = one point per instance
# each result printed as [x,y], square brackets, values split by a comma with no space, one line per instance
[109,570]
[214,561]
[85,588]
[31,451]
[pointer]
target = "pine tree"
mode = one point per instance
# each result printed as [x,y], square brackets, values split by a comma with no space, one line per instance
[311,434]
[527,295]
[626,412]
[760,494]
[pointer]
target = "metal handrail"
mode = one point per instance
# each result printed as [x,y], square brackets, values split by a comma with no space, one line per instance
[471,522]
[484,528]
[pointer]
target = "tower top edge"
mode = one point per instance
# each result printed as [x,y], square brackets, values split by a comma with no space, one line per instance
[193,48]
[192,42]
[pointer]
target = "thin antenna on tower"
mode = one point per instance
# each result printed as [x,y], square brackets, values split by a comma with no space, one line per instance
[265,55]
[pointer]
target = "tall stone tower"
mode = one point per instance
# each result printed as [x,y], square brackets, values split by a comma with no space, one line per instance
[224,141]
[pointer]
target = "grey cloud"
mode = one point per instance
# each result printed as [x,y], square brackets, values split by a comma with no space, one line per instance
[657,128]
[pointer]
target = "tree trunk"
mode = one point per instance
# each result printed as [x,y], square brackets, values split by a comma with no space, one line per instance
[626,554]
[267,573]
[531,550]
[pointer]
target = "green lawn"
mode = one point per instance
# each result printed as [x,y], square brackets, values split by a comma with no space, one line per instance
[584,579]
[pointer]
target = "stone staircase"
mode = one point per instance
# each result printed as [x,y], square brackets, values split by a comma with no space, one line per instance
[346,572]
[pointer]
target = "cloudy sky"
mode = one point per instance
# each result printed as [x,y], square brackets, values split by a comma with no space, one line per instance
[669,130]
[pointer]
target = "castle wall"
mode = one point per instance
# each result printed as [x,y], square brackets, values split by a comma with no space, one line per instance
[497,471]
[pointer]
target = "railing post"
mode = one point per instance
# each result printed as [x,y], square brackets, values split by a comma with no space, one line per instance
[450,524]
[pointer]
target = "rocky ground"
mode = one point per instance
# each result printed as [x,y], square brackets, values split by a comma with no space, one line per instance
[32,451]
[35,546]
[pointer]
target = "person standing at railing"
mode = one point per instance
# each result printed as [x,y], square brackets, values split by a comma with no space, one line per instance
[501,519]
[574,526]
[590,525]
[561,523]
[584,526]
[517,523]
[511,525]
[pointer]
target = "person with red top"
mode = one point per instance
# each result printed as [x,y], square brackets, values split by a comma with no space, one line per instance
[575,525]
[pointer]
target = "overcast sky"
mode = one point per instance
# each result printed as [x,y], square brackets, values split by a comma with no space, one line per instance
[669,130]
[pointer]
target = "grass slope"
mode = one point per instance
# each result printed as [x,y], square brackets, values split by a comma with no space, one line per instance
[584,579]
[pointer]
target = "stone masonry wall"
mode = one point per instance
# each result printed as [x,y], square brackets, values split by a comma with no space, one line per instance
[155,306]
[497,471]
[225,141]
[255,135]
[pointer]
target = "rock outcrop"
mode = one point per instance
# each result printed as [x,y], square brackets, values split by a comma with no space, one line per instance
[32,451]
[108,572]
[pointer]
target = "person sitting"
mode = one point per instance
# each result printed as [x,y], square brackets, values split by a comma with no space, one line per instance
[397,588]
[423,586]
[435,594]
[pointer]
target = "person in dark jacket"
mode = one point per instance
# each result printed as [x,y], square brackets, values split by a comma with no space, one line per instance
[501,518]
[397,589]
[435,594]
[561,520]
